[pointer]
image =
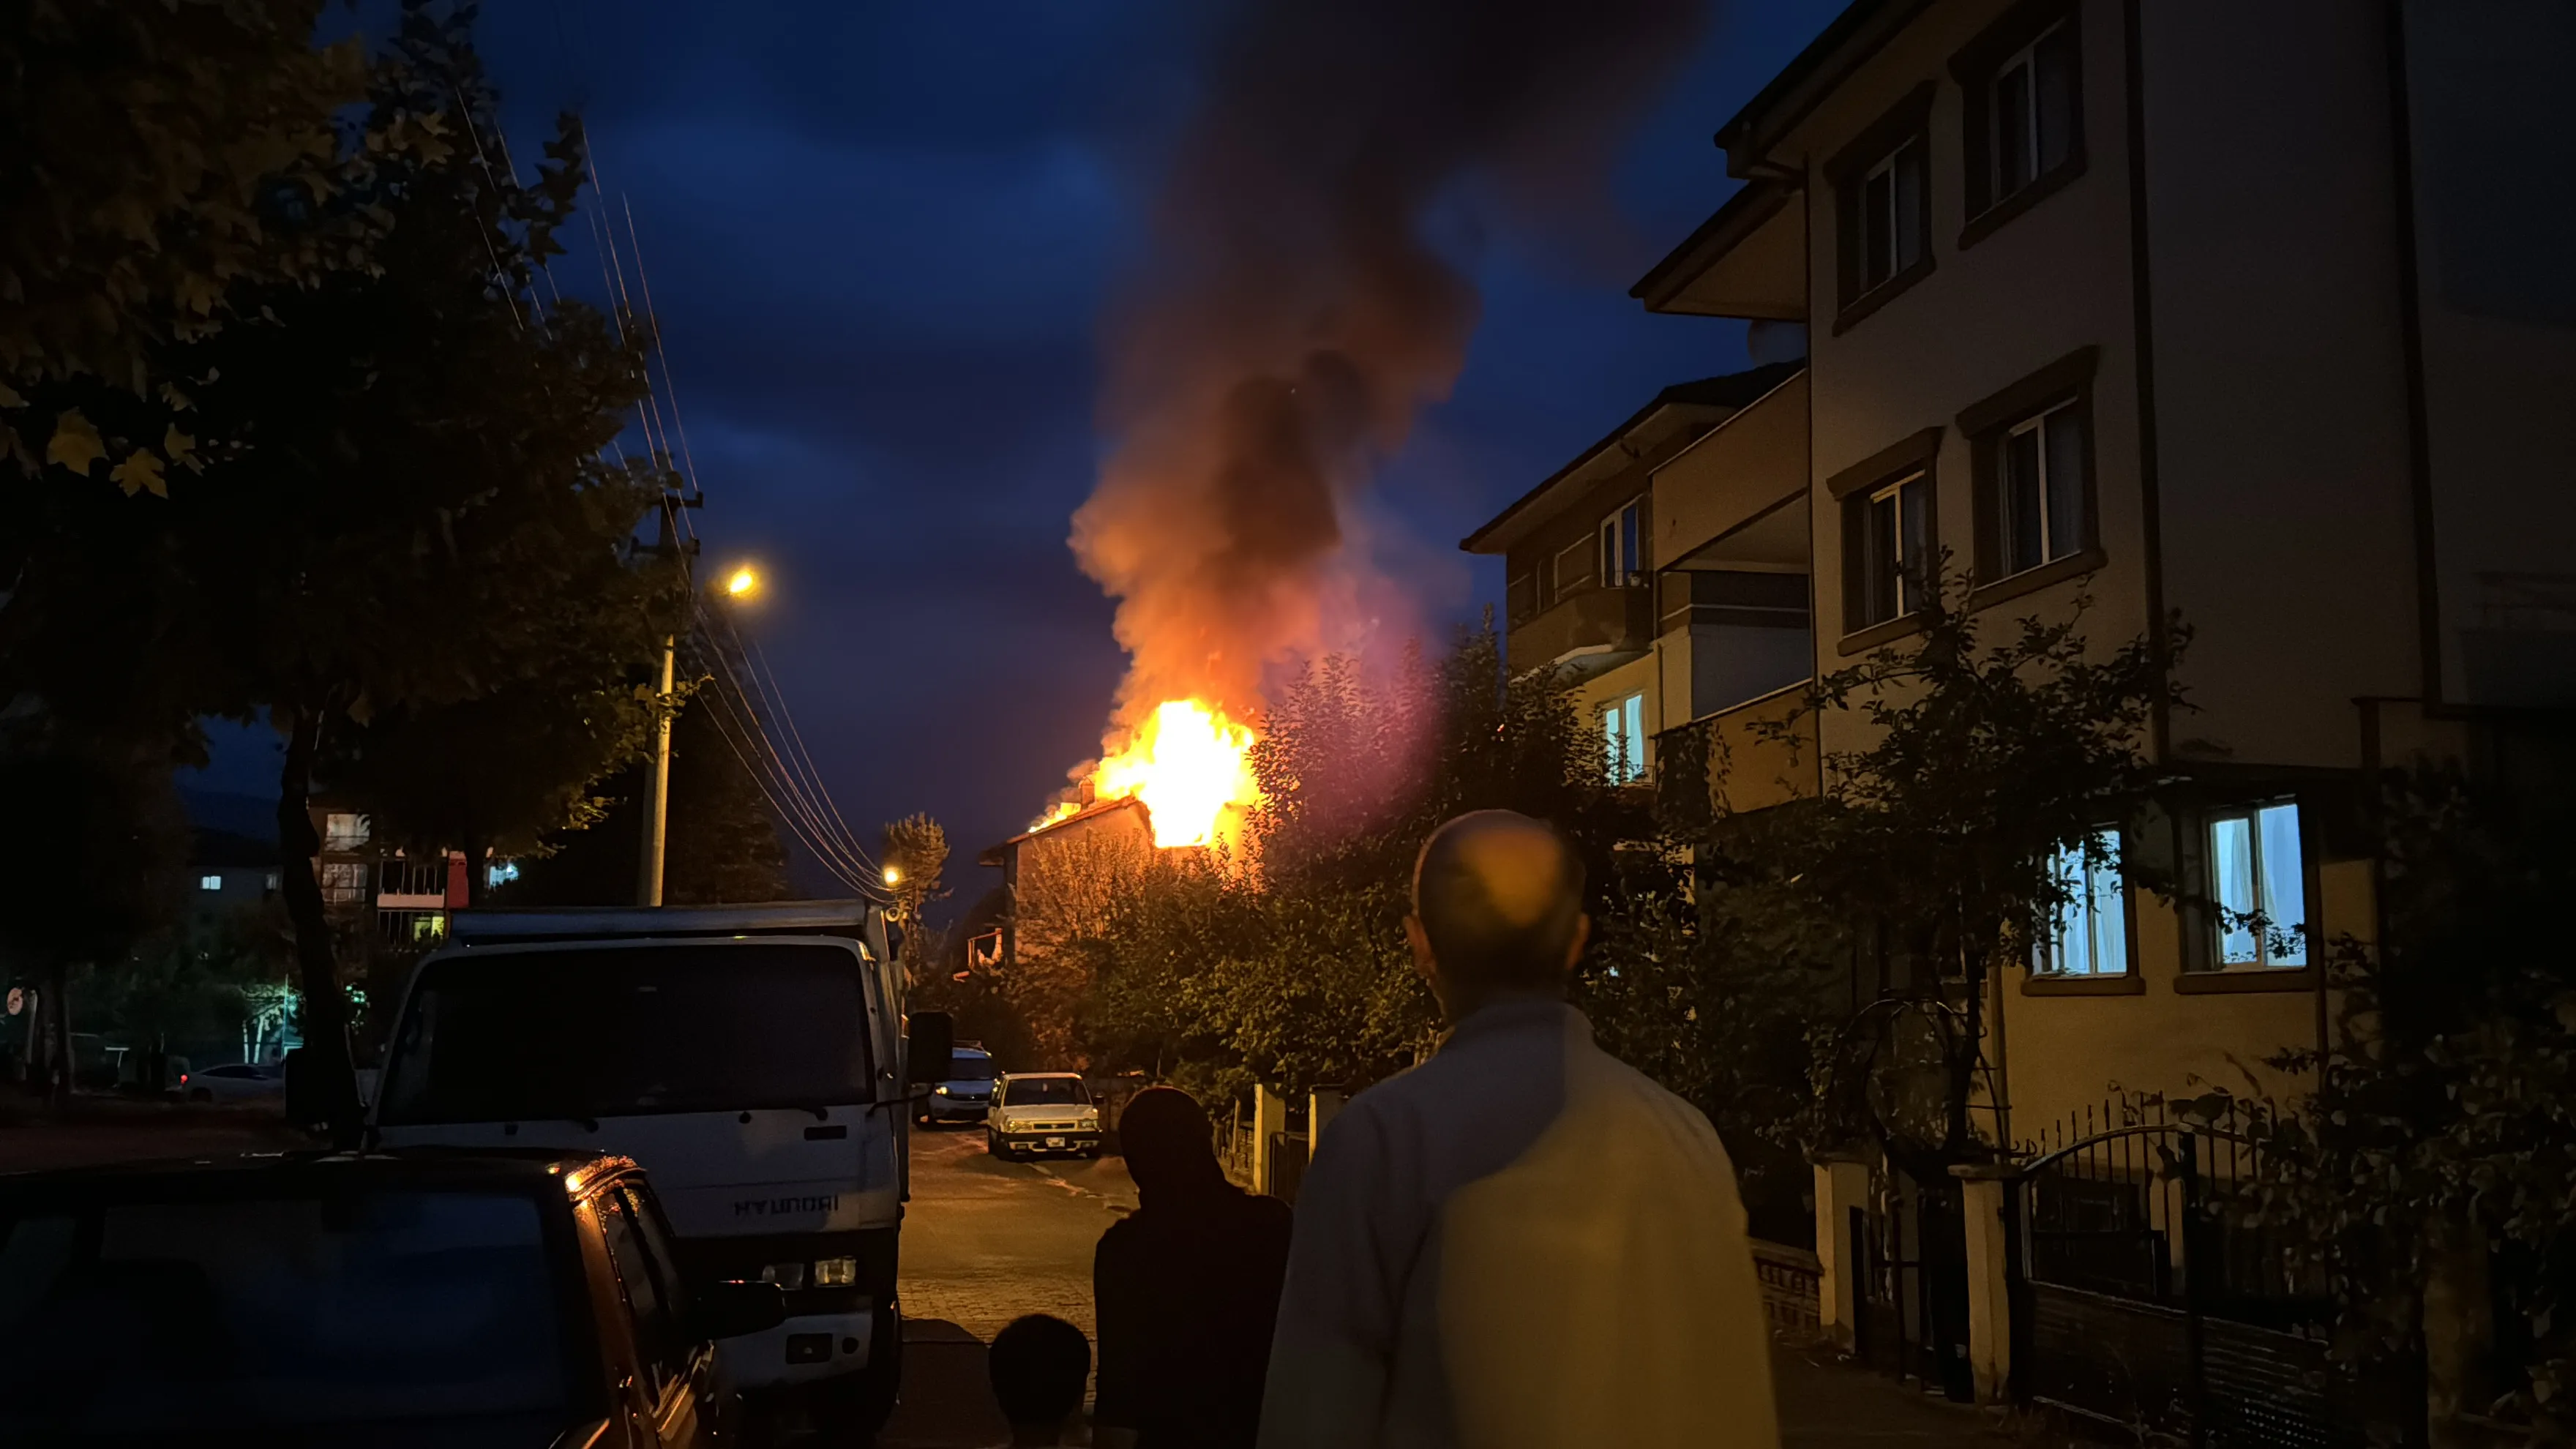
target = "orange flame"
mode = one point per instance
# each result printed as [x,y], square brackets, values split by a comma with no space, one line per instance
[1192,767]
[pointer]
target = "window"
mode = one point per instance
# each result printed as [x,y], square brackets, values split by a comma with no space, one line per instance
[344,831]
[2030,113]
[650,1303]
[2021,90]
[1888,233]
[1566,571]
[1623,555]
[1883,207]
[210,882]
[1520,597]
[2258,882]
[343,881]
[1891,550]
[2040,512]
[2089,935]
[1623,739]
[1044,1092]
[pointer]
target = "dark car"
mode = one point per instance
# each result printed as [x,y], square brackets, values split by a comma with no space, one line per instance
[395,1300]
[967,1094]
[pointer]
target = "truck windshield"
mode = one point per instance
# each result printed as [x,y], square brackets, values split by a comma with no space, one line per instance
[1043,1091]
[498,1036]
[132,1320]
[970,1069]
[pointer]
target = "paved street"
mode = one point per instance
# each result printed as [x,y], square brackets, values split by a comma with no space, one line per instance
[985,1241]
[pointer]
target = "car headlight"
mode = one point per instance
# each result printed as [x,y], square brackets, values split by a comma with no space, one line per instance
[835,1272]
[941,1090]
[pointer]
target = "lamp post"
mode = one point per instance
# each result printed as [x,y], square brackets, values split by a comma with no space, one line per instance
[741,585]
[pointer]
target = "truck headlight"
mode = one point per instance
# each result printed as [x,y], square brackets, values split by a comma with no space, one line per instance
[835,1272]
[789,1276]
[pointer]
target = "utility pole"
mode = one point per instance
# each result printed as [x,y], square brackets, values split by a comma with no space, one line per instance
[657,779]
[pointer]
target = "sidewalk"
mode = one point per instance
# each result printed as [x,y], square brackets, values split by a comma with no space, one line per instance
[1823,1405]
[1826,1405]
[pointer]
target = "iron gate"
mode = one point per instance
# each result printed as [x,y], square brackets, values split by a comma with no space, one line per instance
[2144,1299]
[1912,1292]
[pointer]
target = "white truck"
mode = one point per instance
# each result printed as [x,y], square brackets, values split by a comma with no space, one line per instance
[756,1060]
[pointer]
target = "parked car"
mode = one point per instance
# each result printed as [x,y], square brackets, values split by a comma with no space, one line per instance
[236,1082]
[1035,1113]
[418,1300]
[967,1095]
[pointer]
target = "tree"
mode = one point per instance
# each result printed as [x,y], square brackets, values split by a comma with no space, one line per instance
[91,865]
[420,505]
[915,852]
[159,159]
[722,845]
[1931,847]
[2429,1175]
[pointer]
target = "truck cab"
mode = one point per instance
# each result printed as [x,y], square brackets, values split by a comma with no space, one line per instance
[754,1059]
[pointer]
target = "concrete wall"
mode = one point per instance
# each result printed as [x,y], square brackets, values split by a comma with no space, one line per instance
[1745,465]
[2279,381]
[2043,285]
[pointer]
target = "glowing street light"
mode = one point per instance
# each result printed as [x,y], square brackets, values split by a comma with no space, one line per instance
[893,875]
[742,583]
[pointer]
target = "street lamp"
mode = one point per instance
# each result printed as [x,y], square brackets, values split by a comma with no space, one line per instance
[893,875]
[742,585]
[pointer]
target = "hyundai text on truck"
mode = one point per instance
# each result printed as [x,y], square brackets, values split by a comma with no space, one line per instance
[754,1060]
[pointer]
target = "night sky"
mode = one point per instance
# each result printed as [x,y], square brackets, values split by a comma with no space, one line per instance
[880,238]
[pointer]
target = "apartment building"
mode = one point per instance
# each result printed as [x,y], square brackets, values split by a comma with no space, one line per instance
[2246,316]
[1649,634]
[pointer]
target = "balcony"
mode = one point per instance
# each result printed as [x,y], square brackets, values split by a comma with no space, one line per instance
[1610,625]
[1758,754]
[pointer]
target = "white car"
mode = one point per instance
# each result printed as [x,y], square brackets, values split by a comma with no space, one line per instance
[238,1082]
[1035,1113]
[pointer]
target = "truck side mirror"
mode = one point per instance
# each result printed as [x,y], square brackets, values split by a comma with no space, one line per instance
[933,1037]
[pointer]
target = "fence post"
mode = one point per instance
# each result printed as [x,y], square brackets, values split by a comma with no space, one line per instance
[1842,1185]
[1269,1118]
[1982,1202]
[2195,1280]
[1322,1105]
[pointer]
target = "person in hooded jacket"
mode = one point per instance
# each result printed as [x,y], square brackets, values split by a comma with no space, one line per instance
[1186,1289]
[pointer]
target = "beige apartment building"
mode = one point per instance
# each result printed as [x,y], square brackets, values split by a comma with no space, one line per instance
[2246,315]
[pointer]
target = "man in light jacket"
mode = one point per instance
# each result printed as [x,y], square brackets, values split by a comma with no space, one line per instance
[1521,1243]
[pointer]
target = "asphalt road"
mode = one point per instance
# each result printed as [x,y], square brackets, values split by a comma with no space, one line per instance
[985,1241]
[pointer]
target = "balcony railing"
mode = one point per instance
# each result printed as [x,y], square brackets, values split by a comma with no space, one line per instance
[1613,619]
[1752,756]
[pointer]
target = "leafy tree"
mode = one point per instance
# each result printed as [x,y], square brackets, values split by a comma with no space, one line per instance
[155,161]
[722,845]
[914,853]
[93,864]
[420,509]
[1928,850]
[2429,1176]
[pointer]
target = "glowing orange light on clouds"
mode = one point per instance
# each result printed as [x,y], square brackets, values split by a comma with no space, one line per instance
[1192,767]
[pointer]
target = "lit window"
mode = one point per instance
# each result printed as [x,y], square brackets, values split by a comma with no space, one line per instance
[1623,738]
[2258,879]
[501,874]
[2089,936]
[210,882]
[1623,547]
[344,831]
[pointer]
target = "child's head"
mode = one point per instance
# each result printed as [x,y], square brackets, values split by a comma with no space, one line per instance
[1039,1365]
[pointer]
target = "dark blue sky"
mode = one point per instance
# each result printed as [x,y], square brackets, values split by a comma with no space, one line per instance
[880,238]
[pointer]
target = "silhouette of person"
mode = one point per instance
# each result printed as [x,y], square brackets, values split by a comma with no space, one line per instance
[1187,1289]
[1520,1243]
[1038,1366]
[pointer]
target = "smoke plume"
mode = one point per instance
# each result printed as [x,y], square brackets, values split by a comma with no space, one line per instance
[1292,316]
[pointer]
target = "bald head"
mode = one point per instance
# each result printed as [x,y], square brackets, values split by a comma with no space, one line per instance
[1500,901]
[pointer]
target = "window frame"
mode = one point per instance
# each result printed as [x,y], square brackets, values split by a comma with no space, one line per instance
[1987,425]
[211,882]
[1914,460]
[2045,946]
[1879,146]
[2210,937]
[1620,560]
[1629,711]
[1978,67]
